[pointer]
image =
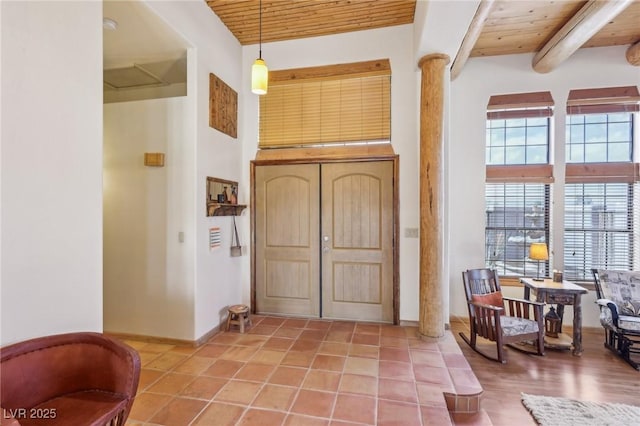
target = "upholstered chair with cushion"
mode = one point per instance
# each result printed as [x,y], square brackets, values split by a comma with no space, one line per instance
[500,319]
[618,296]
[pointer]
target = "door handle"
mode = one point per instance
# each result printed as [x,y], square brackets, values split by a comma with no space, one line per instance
[325,247]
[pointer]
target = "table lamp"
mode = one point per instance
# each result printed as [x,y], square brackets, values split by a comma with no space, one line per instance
[538,251]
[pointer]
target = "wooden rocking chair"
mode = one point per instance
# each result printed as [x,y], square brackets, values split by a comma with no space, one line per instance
[489,319]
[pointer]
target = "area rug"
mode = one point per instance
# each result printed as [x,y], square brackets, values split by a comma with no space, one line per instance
[552,411]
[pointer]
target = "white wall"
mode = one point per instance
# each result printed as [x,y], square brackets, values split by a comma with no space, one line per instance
[217,276]
[396,44]
[470,92]
[147,289]
[51,141]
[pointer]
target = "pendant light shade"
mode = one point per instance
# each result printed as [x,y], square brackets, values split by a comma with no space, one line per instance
[259,71]
[259,77]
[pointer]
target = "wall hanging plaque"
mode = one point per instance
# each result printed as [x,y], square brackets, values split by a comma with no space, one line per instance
[223,107]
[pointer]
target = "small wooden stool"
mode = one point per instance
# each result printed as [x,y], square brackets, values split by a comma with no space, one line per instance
[239,315]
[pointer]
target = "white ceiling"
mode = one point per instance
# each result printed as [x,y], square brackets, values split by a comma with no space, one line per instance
[141,36]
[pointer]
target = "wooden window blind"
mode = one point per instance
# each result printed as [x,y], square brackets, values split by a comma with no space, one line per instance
[542,173]
[327,105]
[520,105]
[602,172]
[604,100]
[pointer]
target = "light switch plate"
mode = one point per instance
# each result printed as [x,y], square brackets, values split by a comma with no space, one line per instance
[411,232]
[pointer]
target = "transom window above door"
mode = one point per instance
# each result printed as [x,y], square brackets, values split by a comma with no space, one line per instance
[333,104]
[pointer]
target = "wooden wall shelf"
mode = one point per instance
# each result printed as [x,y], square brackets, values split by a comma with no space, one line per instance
[217,209]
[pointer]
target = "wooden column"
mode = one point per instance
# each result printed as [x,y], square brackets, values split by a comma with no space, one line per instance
[633,54]
[431,321]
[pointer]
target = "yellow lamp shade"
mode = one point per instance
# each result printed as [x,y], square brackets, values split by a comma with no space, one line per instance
[538,251]
[259,77]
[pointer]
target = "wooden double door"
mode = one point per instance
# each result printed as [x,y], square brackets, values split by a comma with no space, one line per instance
[324,240]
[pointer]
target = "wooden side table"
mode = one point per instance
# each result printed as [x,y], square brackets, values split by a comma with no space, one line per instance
[562,294]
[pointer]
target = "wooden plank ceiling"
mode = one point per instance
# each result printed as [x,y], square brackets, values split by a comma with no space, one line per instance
[511,26]
[293,19]
[525,26]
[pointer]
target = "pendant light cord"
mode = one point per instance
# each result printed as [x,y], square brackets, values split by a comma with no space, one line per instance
[260,29]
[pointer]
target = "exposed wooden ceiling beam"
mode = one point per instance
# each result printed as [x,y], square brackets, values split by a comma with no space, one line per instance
[470,38]
[590,19]
[633,54]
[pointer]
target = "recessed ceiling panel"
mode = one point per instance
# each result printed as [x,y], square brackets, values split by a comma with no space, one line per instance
[141,36]
[125,78]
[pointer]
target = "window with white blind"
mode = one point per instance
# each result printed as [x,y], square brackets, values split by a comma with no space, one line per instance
[599,228]
[517,214]
[601,191]
[517,191]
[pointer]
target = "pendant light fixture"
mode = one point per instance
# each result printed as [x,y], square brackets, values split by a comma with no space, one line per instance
[259,71]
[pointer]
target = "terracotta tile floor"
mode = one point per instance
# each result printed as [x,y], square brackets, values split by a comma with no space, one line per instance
[291,371]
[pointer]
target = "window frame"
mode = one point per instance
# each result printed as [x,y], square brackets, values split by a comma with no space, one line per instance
[605,173]
[570,125]
[523,105]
